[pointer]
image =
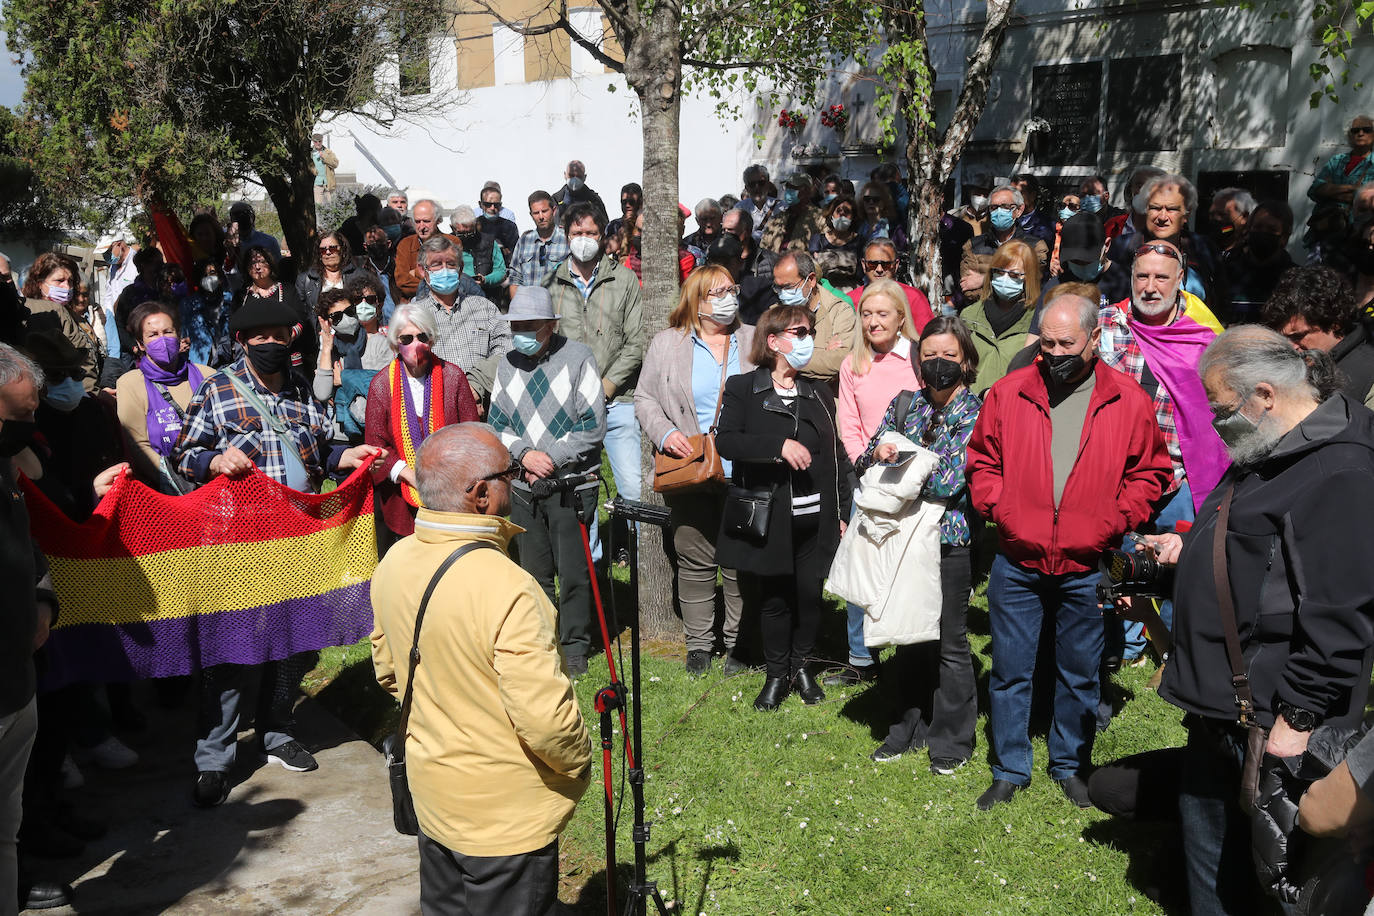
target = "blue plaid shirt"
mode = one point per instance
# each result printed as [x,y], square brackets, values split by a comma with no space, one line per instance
[219,417]
[534,260]
[948,482]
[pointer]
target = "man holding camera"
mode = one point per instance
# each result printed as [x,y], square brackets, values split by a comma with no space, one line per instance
[1293,590]
[549,408]
[1065,459]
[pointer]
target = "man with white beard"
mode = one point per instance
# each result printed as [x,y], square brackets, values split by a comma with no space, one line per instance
[1293,511]
[1157,337]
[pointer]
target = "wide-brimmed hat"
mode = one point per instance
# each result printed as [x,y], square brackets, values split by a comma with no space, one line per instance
[531,303]
[261,313]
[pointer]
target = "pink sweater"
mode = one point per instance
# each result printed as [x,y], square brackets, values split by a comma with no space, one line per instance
[864,399]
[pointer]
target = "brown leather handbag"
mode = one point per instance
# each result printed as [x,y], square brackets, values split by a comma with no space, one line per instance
[702,467]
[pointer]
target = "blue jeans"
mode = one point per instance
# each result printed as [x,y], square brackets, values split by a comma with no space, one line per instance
[1216,834]
[1177,509]
[622,448]
[859,654]
[1018,598]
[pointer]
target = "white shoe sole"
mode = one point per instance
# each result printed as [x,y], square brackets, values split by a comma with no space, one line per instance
[268,758]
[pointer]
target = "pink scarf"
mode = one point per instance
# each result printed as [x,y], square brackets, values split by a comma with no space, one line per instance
[1172,352]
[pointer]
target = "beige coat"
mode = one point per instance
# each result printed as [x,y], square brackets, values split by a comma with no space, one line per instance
[836,320]
[663,400]
[131,400]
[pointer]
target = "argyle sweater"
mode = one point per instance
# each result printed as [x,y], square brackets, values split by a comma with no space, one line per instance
[552,403]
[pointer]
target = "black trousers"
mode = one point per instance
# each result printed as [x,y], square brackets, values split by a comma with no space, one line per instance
[789,607]
[935,694]
[452,884]
[552,546]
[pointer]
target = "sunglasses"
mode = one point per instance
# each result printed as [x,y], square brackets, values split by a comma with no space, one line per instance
[407,339]
[1362,130]
[872,200]
[328,249]
[628,202]
[932,429]
[1158,248]
[373,299]
[351,312]
[506,475]
[1068,206]
[491,205]
[799,332]
[879,265]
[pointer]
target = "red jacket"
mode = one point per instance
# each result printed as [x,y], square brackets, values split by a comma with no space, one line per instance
[1122,468]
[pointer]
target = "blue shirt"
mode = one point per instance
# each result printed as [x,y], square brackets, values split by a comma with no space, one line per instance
[706,382]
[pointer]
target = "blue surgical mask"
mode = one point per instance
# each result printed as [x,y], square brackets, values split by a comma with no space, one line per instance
[392,232]
[444,280]
[828,198]
[65,395]
[790,196]
[1066,214]
[801,352]
[575,183]
[526,342]
[1092,203]
[1085,272]
[487,214]
[1002,220]
[1006,288]
[792,296]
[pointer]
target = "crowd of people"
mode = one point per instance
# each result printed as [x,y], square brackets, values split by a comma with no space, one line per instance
[1073,385]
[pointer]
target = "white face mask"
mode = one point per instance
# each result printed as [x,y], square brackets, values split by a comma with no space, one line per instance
[978,202]
[723,310]
[210,283]
[347,326]
[584,248]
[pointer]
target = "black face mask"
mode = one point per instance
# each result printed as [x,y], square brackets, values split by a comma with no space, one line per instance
[15,436]
[468,239]
[940,373]
[1064,366]
[1264,245]
[378,250]
[269,358]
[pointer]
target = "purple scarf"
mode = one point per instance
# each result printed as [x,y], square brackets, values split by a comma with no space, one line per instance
[164,418]
[1172,352]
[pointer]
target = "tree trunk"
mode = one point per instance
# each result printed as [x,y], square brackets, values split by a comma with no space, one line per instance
[928,164]
[292,192]
[653,70]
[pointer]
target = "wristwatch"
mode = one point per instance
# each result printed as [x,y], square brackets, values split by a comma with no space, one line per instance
[1301,720]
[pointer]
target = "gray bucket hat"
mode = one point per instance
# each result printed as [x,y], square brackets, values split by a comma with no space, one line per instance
[531,303]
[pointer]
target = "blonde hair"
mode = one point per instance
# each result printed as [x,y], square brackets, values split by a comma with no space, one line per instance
[861,360]
[699,282]
[1016,253]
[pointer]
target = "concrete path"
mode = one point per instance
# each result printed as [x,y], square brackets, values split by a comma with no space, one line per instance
[284,843]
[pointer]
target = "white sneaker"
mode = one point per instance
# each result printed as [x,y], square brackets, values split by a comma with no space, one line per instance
[111,754]
[71,774]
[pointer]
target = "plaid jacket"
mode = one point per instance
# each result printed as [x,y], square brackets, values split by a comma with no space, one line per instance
[219,417]
[1119,349]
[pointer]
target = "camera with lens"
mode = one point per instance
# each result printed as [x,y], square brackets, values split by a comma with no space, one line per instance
[1133,571]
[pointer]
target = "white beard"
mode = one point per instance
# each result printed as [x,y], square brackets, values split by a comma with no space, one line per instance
[1153,309]
[1255,446]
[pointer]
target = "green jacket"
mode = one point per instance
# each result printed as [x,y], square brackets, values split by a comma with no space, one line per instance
[994,350]
[609,321]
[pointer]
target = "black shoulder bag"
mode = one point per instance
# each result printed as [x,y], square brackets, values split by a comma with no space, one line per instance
[402,804]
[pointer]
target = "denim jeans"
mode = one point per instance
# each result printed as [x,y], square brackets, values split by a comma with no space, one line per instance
[859,654]
[1018,599]
[1178,509]
[622,449]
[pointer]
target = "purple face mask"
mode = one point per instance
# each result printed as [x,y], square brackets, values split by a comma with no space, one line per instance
[166,352]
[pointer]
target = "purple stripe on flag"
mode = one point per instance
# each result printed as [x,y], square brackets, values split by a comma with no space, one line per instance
[103,653]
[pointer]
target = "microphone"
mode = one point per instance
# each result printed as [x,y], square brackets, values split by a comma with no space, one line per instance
[545,487]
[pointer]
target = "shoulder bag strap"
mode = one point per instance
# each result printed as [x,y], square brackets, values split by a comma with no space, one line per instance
[399,750]
[1240,682]
[720,393]
[903,409]
[167,396]
[289,450]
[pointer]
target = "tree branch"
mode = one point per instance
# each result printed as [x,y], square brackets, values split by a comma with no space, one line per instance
[974,95]
[560,24]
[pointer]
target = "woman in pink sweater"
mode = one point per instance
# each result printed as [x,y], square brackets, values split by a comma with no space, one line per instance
[870,378]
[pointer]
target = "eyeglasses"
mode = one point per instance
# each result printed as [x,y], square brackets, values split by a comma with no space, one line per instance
[722,291]
[628,202]
[1159,248]
[335,317]
[506,475]
[491,205]
[879,265]
[373,299]
[1009,208]
[1007,272]
[799,332]
[1362,130]
[407,339]
[328,249]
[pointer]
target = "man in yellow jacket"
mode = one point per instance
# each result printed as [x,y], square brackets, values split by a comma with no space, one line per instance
[497,751]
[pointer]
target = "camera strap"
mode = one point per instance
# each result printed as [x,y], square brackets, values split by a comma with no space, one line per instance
[1240,681]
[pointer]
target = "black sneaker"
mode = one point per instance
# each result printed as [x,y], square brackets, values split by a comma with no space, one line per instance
[293,757]
[577,665]
[698,662]
[886,753]
[945,766]
[43,895]
[999,793]
[212,788]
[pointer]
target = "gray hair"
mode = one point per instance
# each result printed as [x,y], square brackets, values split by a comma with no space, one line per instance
[436,244]
[438,210]
[1253,354]
[15,366]
[396,192]
[1243,199]
[422,316]
[1016,194]
[462,215]
[452,459]
[1088,310]
[882,241]
[707,206]
[1185,187]
[805,264]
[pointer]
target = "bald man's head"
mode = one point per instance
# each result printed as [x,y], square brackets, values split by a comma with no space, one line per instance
[457,470]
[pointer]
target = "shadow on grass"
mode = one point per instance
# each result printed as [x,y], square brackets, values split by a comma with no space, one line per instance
[1155,855]
[593,896]
[355,697]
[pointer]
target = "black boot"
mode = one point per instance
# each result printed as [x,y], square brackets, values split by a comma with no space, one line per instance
[43,895]
[774,691]
[806,687]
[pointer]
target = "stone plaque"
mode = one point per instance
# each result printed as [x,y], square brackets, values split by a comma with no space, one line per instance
[1068,98]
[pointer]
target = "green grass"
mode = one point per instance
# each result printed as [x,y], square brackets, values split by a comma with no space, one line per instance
[783,812]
